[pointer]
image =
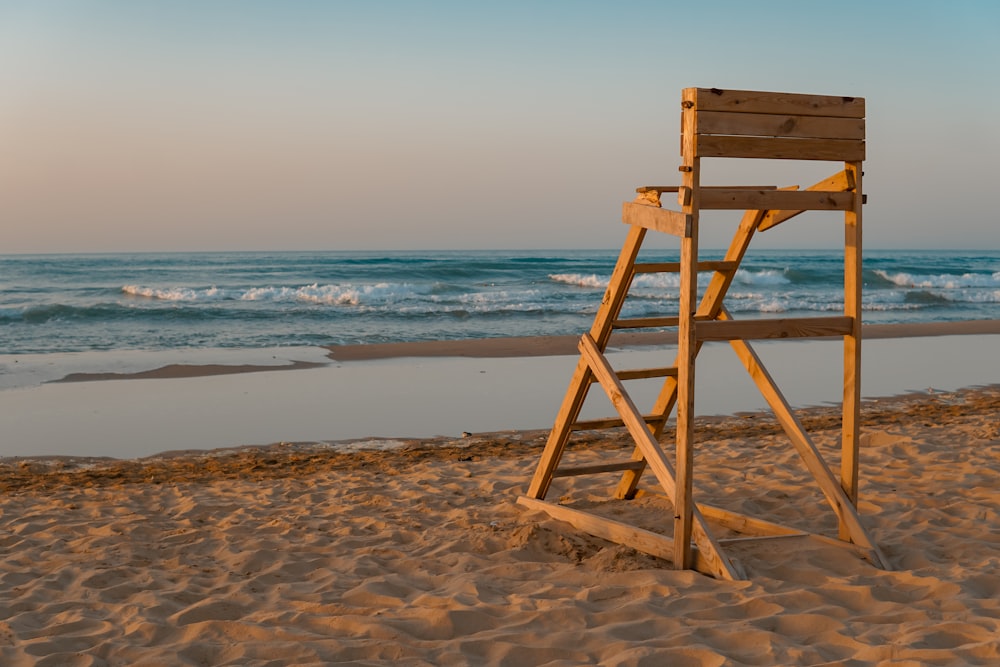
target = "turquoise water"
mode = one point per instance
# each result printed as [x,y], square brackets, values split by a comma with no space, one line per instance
[154,302]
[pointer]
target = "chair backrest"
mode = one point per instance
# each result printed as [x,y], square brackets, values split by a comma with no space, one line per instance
[752,124]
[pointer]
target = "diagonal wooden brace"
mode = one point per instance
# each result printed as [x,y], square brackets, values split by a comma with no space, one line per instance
[655,458]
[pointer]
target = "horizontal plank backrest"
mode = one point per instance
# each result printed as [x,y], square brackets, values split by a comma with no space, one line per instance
[750,101]
[750,124]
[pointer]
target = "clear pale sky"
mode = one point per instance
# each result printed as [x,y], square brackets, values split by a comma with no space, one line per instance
[145,126]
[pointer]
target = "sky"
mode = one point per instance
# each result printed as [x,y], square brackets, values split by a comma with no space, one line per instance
[186,126]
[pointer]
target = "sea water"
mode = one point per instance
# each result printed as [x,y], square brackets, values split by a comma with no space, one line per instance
[62,314]
[154,302]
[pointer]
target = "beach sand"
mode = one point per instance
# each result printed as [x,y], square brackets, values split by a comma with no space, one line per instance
[416,554]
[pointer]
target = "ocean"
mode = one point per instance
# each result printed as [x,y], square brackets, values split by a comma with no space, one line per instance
[255,300]
[126,313]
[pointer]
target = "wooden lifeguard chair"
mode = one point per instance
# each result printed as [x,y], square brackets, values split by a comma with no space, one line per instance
[722,124]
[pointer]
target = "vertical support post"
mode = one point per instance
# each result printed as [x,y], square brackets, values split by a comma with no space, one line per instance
[687,346]
[851,425]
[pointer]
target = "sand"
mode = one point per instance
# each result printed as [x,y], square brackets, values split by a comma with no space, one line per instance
[415,553]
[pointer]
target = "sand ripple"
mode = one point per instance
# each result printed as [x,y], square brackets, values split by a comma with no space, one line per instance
[299,556]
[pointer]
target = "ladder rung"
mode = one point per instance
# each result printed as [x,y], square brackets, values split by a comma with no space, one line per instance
[598,468]
[645,373]
[791,327]
[601,424]
[675,267]
[776,200]
[646,322]
[759,538]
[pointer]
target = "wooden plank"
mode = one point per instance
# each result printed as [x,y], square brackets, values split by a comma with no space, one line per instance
[657,267]
[660,189]
[600,424]
[720,564]
[597,424]
[744,524]
[575,471]
[841,181]
[779,125]
[645,322]
[675,267]
[658,219]
[761,528]
[805,200]
[646,541]
[645,373]
[759,538]
[687,351]
[740,523]
[657,188]
[757,101]
[851,425]
[779,149]
[788,327]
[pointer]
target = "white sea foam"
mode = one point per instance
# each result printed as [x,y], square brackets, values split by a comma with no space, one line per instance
[579,279]
[661,281]
[771,306]
[764,277]
[667,279]
[176,293]
[334,295]
[942,281]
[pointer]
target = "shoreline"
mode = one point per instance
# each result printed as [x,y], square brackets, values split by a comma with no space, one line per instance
[291,459]
[497,348]
[389,399]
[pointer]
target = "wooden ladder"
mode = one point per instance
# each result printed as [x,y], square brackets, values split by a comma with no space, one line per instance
[693,546]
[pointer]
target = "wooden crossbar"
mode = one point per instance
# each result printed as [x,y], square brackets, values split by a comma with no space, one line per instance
[802,200]
[646,322]
[675,267]
[639,539]
[753,101]
[788,327]
[846,150]
[780,125]
[616,466]
[611,422]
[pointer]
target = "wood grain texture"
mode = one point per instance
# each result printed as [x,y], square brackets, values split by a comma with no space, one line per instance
[658,219]
[779,125]
[714,146]
[756,101]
